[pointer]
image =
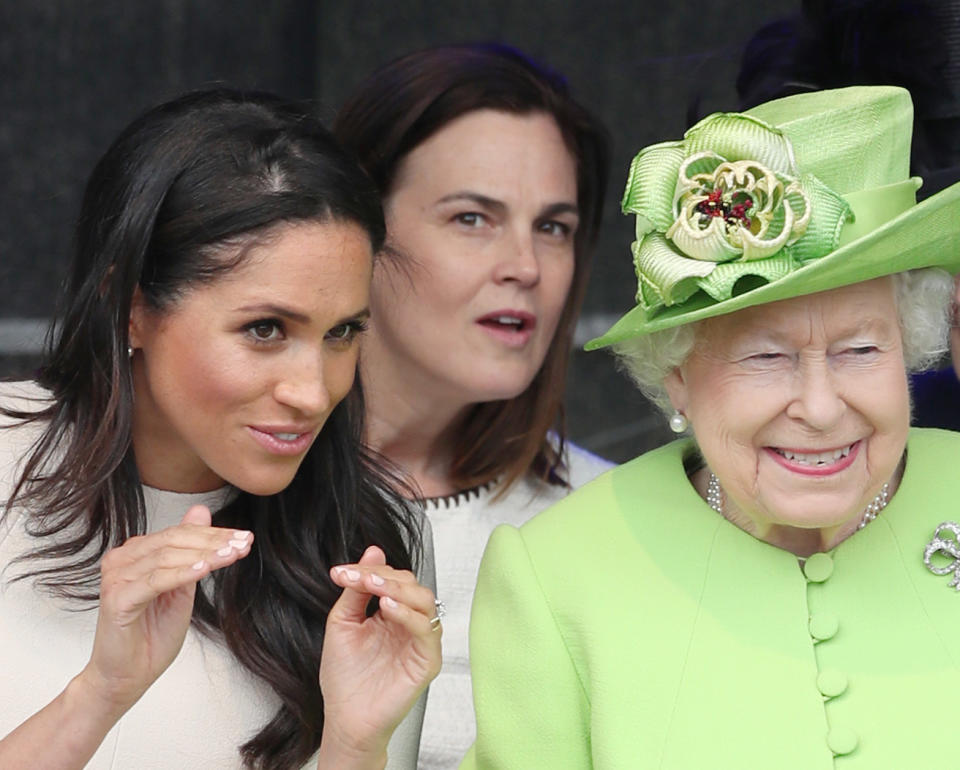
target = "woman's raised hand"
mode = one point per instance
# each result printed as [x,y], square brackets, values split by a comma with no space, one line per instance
[146,601]
[372,669]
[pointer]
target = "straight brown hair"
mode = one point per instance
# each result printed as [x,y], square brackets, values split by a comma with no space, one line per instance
[405,103]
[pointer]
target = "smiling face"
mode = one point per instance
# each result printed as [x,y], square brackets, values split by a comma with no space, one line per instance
[800,407]
[234,381]
[484,214]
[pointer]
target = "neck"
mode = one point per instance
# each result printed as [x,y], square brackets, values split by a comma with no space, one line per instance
[800,541]
[407,420]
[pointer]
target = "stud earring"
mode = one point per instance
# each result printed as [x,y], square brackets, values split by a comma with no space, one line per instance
[129,351]
[679,422]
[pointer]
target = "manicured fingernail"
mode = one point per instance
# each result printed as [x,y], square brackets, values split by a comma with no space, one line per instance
[238,544]
[339,570]
[353,575]
[388,601]
[241,534]
[225,551]
[199,565]
[377,580]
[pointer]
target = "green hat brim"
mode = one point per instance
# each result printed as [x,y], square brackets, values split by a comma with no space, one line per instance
[926,235]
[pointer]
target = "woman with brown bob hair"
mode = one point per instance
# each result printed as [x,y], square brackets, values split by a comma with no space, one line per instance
[493,181]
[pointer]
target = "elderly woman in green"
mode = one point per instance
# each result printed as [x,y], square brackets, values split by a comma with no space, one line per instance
[777,589]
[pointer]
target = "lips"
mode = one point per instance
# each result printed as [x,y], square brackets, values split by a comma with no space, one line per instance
[820,462]
[512,328]
[509,320]
[284,440]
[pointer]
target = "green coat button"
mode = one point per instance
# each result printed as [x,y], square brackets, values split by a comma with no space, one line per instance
[842,740]
[832,683]
[818,567]
[824,625]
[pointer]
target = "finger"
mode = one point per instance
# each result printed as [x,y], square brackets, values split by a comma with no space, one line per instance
[198,515]
[386,582]
[412,620]
[130,595]
[205,560]
[374,555]
[384,570]
[184,535]
[352,604]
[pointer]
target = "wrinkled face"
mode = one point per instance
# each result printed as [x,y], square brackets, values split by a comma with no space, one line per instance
[800,407]
[235,380]
[484,212]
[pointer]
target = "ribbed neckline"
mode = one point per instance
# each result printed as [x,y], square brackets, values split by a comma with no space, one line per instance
[457,498]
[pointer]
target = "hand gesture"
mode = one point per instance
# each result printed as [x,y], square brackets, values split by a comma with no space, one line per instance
[146,601]
[373,669]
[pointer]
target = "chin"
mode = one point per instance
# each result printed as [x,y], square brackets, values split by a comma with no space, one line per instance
[500,388]
[261,484]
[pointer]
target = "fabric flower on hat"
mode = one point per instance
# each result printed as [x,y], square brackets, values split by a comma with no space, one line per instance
[726,203]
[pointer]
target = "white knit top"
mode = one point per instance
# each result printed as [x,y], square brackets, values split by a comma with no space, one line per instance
[461,525]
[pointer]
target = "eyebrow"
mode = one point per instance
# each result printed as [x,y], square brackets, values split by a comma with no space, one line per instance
[280,311]
[499,206]
[864,326]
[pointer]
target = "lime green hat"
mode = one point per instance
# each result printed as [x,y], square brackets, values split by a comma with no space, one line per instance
[799,195]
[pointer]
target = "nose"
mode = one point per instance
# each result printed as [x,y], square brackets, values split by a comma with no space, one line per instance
[518,263]
[816,401]
[303,384]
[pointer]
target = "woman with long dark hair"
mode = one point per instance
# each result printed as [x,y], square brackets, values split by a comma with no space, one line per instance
[493,180]
[187,464]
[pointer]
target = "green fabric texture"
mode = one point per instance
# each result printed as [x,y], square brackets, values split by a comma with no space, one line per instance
[630,626]
[841,156]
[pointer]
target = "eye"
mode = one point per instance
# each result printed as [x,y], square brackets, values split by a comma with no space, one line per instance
[555,228]
[859,353]
[346,332]
[265,330]
[768,356]
[472,219]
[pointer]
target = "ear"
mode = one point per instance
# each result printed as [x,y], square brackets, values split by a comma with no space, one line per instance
[676,386]
[138,319]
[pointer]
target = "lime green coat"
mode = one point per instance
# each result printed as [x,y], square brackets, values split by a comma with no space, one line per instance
[630,626]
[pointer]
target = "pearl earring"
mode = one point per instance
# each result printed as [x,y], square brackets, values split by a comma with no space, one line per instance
[679,422]
[129,351]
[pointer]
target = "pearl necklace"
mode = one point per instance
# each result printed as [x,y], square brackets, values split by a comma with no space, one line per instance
[715,500]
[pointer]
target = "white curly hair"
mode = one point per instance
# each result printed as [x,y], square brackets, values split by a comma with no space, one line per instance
[924,301]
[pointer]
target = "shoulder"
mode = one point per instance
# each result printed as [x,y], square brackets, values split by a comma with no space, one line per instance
[583,466]
[932,456]
[933,453]
[16,440]
[613,511]
[16,437]
[23,396]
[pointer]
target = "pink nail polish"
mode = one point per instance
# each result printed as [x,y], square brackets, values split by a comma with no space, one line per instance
[377,580]
[225,551]
[199,565]
[353,575]
[238,544]
[388,601]
[241,534]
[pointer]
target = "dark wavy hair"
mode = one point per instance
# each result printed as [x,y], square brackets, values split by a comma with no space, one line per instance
[404,104]
[169,206]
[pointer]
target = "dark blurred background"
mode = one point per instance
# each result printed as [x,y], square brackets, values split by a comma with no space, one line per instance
[76,71]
